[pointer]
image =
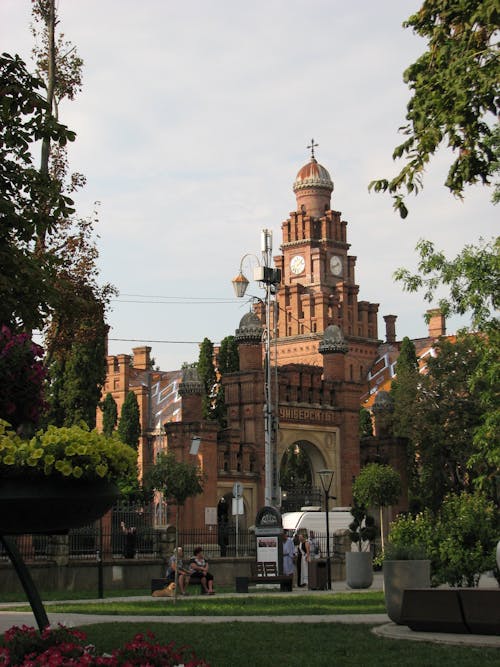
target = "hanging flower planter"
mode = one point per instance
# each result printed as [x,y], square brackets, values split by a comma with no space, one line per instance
[52,505]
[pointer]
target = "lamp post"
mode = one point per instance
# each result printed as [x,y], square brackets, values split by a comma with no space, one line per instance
[326,477]
[269,278]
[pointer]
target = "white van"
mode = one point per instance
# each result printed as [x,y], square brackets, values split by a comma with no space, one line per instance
[339,518]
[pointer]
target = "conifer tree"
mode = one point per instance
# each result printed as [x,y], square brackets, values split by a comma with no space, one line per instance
[129,426]
[109,414]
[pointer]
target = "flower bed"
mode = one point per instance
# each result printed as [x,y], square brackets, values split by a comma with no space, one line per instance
[62,647]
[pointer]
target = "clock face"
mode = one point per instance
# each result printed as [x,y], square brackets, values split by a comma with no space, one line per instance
[297,264]
[336,265]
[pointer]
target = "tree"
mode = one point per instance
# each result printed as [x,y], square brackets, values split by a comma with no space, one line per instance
[206,372]
[129,426]
[26,279]
[377,486]
[445,418]
[229,358]
[455,92]
[404,389]
[295,468]
[75,333]
[472,279]
[109,415]
[177,481]
[365,423]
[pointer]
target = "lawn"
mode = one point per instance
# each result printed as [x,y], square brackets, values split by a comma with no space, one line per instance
[239,644]
[369,602]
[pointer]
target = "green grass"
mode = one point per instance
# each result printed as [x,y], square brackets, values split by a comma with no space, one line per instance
[242,644]
[370,602]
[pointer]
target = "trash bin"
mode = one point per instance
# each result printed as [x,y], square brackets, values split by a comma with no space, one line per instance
[317,575]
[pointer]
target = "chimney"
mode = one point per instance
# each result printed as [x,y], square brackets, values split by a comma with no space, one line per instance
[437,323]
[142,360]
[390,328]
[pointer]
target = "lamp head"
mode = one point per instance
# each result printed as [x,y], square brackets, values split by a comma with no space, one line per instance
[240,284]
[326,478]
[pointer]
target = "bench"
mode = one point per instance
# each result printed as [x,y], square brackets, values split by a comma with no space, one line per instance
[158,584]
[458,610]
[266,573]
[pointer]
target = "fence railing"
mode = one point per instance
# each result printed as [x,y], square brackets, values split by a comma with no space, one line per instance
[131,534]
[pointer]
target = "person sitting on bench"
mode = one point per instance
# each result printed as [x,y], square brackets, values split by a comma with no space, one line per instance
[198,568]
[176,563]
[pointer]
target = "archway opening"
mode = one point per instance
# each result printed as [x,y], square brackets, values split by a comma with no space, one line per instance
[297,477]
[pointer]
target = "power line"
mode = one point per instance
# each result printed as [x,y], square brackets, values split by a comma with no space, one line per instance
[145,340]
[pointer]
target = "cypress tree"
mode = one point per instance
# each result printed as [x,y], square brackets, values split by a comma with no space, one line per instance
[109,414]
[129,426]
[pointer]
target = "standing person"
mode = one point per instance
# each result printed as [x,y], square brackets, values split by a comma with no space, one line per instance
[304,554]
[130,545]
[177,563]
[288,555]
[198,570]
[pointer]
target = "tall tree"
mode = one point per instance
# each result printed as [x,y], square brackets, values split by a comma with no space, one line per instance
[129,426]
[76,332]
[455,97]
[207,375]
[229,358]
[109,414]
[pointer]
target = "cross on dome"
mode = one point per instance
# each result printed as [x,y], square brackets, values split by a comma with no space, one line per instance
[312,147]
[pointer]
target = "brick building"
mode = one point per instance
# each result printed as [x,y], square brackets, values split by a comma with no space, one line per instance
[325,343]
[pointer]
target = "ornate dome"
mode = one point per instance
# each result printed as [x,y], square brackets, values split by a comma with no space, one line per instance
[333,341]
[190,383]
[313,175]
[250,329]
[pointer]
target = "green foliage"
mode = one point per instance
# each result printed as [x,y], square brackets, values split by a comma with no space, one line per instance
[129,426]
[229,359]
[65,452]
[411,538]
[365,423]
[459,539]
[455,90]
[472,279]
[109,415]
[295,468]
[30,202]
[377,485]
[177,480]
[469,530]
[453,403]
[206,373]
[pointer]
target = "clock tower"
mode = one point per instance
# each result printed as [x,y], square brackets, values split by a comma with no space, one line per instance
[318,286]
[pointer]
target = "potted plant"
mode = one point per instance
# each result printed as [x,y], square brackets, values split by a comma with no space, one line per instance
[60,478]
[359,565]
[405,562]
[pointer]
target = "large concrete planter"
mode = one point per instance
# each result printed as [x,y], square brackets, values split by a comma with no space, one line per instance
[400,575]
[359,569]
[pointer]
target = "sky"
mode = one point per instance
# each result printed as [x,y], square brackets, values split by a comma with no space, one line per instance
[192,124]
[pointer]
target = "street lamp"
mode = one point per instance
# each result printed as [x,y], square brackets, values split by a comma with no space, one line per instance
[326,477]
[269,278]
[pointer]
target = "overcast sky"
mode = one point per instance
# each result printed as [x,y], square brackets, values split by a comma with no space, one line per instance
[192,124]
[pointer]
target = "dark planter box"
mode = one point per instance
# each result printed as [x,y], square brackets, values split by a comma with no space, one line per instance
[51,505]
